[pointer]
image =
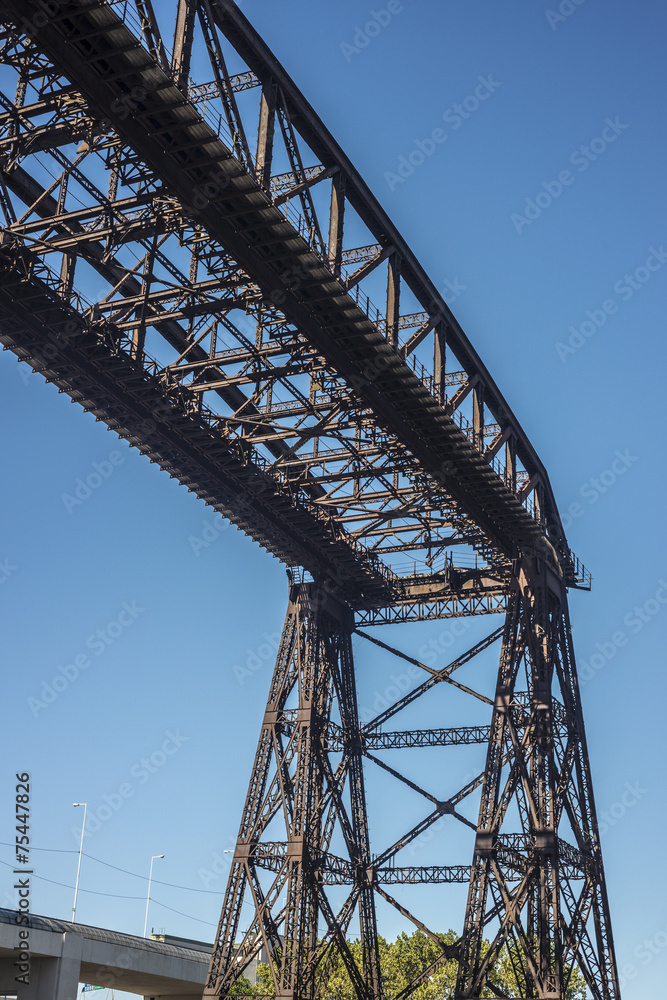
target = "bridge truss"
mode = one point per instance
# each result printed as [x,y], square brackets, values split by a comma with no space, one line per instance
[193,263]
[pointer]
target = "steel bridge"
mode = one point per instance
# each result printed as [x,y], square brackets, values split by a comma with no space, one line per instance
[206,295]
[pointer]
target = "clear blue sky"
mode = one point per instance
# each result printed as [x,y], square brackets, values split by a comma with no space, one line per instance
[522,289]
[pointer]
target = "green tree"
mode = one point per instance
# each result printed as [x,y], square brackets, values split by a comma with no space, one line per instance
[412,954]
[504,977]
[264,980]
[243,986]
[408,957]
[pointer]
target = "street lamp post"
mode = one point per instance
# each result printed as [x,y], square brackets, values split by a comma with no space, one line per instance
[78,871]
[148,895]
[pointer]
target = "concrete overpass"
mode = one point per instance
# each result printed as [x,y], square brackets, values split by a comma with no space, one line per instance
[63,954]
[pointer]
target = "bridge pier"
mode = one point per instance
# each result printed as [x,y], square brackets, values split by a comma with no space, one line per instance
[51,977]
[293,777]
[58,955]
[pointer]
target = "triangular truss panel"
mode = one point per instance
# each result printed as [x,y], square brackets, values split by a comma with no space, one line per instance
[536,889]
[197,263]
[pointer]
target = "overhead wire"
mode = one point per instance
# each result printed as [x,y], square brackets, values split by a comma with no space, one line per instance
[144,878]
[114,895]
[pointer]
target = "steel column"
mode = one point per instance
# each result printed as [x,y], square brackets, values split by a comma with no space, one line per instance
[293,783]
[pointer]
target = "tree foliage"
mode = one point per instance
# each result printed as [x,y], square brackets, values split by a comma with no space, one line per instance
[243,987]
[408,957]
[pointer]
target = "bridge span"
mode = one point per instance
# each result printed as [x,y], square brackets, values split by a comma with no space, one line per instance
[63,954]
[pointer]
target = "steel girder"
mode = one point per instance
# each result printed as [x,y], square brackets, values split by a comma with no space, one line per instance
[234,343]
[536,886]
[293,782]
[297,786]
[198,240]
[547,924]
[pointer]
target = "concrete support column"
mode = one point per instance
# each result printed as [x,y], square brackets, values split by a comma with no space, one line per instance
[55,978]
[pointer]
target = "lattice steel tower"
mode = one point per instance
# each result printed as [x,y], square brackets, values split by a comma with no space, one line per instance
[234,343]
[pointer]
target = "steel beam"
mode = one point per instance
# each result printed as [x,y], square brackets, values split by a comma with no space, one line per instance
[237,347]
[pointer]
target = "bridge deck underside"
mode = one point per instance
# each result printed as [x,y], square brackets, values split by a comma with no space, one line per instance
[93,49]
